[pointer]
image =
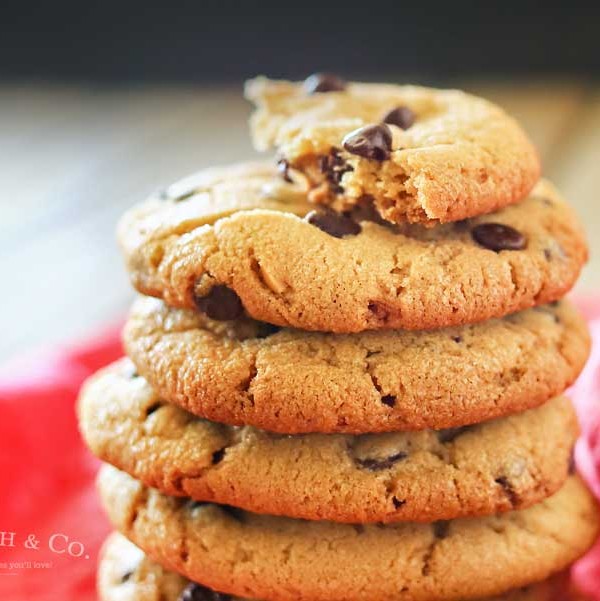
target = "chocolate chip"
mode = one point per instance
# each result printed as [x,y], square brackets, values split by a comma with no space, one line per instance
[376,465]
[335,224]
[318,83]
[441,529]
[197,592]
[284,170]
[333,166]
[401,116]
[497,237]
[389,400]
[457,339]
[125,577]
[450,434]
[217,456]
[221,303]
[398,502]
[154,407]
[370,142]
[504,482]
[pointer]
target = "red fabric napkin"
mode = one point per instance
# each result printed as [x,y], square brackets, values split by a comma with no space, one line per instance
[51,524]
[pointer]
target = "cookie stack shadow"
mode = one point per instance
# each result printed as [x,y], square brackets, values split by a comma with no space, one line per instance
[344,377]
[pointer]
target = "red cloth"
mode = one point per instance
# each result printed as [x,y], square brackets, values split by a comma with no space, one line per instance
[47,476]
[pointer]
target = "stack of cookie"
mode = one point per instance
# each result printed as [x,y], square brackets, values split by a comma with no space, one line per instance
[344,380]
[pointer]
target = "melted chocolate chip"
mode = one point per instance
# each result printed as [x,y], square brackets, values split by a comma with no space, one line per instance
[221,304]
[317,83]
[333,166]
[335,224]
[389,400]
[497,237]
[284,170]
[197,592]
[217,456]
[450,434]
[376,465]
[370,142]
[401,116]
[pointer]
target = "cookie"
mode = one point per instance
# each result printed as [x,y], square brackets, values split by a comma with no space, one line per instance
[245,372]
[505,464]
[233,239]
[125,573]
[418,154]
[279,558]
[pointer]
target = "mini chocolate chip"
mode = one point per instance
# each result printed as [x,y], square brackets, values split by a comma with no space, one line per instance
[217,456]
[221,303]
[370,142]
[154,407]
[284,170]
[450,434]
[441,529]
[497,237]
[197,592]
[398,502]
[504,482]
[457,339]
[389,400]
[335,224]
[401,116]
[265,330]
[376,465]
[318,83]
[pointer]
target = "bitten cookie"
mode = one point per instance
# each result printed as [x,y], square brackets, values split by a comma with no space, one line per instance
[283,559]
[125,573]
[235,238]
[419,154]
[244,372]
[505,464]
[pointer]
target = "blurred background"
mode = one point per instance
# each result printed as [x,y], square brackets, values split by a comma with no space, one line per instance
[103,102]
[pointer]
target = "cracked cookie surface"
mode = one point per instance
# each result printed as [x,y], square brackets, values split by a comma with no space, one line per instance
[448,157]
[504,464]
[234,238]
[244,372]
[125,573]
[279,558]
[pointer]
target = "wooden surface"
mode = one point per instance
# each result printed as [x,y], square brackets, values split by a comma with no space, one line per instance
[73,159]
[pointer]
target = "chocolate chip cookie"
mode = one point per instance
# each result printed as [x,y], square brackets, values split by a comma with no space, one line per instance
[504,464]
[244,372]
[240,239]
[125,573]
[417,154]
[259,556]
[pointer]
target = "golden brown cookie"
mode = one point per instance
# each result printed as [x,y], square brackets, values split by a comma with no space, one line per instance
[279,558]
[418,154]
[509,463]
[244,372]
[126,574]
[234,238]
